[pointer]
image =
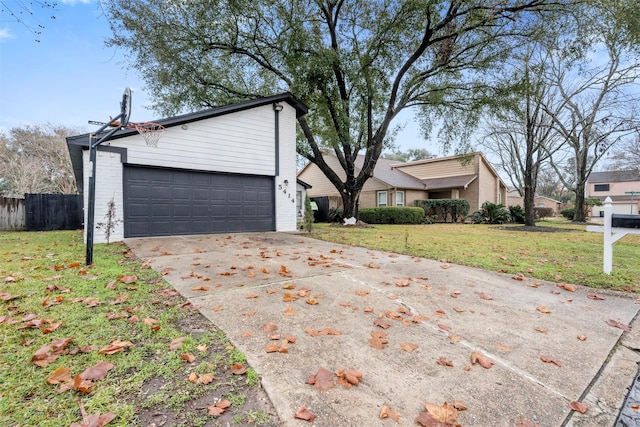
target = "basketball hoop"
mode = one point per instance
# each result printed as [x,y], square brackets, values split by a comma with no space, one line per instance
[150,132]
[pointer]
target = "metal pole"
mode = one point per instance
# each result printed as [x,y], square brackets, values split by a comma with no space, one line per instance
[93,148]
[91,202]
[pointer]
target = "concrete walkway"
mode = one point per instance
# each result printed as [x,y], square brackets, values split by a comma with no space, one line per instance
[431,310]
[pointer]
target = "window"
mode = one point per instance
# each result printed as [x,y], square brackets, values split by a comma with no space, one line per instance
[299,204]
[382,198]
[399,198]
[601,187]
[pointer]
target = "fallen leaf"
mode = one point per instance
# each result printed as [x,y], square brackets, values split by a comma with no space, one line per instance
[348,377]
[619,325]
[459,405]
[438,415]
[238,369]
[549,359]
[49,353]
[382,323]
[485,296]
[322,380]
[176,343]
[526,423]
[444,362]
[60,376]
[543,309]
[579,406]
[190,358]
[115,347]
[567,286]
[200,288]
[97,372]
[502,347]
[251,296]
[582,337]
[269,327]
[304,414]
[408,346]
[206,379]
[386,412]
[218,408]
[289,311]
[595,297]
[541,329]
[477,357]
[128,279]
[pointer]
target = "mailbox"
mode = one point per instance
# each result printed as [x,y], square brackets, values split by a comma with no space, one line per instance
[625,221]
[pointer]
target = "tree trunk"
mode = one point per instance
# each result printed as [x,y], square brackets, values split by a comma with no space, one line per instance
[529,205]
[578,215]
[350,204]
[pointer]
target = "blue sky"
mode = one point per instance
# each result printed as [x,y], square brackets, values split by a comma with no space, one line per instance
[71,77]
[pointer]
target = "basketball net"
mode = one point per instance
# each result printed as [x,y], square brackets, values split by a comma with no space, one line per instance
[150,132]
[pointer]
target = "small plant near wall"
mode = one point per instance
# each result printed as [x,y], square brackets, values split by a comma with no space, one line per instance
[112,221]
[308,214]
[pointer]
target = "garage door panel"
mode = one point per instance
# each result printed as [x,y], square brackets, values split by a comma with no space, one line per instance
[163,202]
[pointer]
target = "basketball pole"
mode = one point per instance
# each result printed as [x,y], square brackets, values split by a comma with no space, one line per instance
[93,148]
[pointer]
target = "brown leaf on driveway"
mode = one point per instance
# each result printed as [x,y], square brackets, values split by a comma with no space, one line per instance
[482,360]
[348,377]
[304,414]
[269,327]
[567,286]
[322,380]
[543,309]
[502,347]
[619,325]
[549,359]
[579,406]
[596,297]
[382,323]
[408,346]
[438,416]
[526,423]
[386,412]
[444,362]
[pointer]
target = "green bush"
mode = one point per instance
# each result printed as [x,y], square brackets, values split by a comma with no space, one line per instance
[392,215]
[568,213]
[491,213]
[335,214]
[445,209]
[517,214]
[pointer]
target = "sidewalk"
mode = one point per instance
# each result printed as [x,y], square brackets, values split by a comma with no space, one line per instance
[432,311]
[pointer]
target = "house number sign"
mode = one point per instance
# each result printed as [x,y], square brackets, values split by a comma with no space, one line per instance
[284,191]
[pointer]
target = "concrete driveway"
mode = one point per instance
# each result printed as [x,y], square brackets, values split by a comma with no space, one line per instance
[430,311]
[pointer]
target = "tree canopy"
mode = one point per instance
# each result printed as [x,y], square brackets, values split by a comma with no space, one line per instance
[355,64]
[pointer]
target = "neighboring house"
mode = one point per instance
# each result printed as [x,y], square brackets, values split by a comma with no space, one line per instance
[622,186]
[301,194]
[222,170]
[514,198]
[469,177]
[548,202]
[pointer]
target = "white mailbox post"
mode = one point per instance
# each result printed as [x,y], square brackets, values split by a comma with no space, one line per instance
[611,234]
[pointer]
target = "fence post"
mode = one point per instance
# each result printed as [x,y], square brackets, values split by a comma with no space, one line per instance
[608,237]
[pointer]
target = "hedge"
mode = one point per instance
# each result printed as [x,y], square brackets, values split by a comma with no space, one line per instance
[456,209]
[391,215]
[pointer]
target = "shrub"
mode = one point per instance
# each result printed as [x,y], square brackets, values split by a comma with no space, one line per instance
[456,209]
[568,213]
[541,213]
[517,214]
[491,213]
[308,214]
[392,215]
[335,214]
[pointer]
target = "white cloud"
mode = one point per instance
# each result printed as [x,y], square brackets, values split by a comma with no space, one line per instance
[5,34]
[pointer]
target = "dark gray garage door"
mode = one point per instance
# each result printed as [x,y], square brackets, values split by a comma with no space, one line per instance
[166,202]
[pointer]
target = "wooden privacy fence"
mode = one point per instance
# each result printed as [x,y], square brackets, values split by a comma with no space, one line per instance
[12,214]
[41,212]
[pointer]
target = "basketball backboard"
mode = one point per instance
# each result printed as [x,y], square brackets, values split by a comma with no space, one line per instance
[125,107]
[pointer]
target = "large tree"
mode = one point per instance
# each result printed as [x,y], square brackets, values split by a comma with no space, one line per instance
[35,159]
[519,133]
[626,155]
[597,103]
[356,64]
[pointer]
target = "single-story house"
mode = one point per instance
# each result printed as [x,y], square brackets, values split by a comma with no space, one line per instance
[515,199]
[221,170]
[393,183]
[622,186]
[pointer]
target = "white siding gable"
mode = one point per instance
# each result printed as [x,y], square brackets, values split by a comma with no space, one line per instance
[241,142]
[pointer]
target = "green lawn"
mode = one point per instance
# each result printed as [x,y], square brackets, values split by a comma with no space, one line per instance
[565,256]
[47,294]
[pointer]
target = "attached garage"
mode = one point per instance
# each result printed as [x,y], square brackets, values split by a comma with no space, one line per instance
[168,202]
[227,169]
